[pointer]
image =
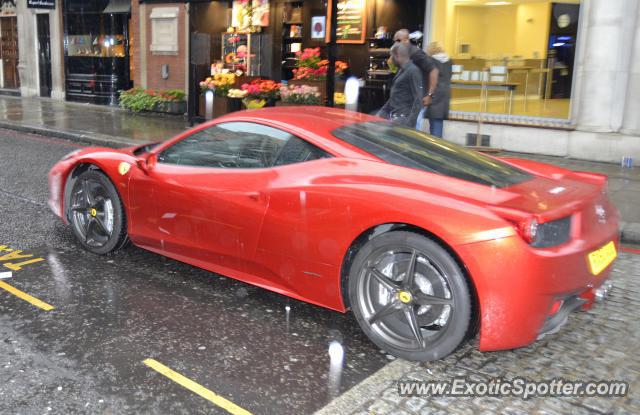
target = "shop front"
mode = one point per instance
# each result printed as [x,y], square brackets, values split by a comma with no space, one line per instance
[233,43]
[513,61]
[97,49]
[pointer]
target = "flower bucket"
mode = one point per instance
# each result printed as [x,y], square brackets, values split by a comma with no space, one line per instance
[254,104]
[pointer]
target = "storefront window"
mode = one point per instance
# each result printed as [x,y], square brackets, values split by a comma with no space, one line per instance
[96,49]
[512,60]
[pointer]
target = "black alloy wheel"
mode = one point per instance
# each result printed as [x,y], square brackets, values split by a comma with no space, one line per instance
[410,296]
[96,213]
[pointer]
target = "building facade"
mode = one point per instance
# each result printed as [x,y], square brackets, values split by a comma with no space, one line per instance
[549,77]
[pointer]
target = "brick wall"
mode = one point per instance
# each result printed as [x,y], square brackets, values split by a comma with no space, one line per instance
[177,63]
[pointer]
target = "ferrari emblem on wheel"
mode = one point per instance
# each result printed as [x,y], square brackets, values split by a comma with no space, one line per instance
[404,297]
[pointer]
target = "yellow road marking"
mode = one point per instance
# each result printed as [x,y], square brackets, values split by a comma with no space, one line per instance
[26,297]
[19,265]
[223,403]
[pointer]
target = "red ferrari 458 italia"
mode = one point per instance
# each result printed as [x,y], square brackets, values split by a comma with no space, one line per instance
[425,241]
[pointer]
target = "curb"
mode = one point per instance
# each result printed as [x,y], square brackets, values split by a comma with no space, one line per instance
[368,389]
[630,232]
[84,138]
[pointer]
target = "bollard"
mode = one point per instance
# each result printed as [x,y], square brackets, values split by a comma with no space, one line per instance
[627,162]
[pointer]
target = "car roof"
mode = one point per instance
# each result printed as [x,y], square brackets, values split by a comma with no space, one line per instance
[319,120]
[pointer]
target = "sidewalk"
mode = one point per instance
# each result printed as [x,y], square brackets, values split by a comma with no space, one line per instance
[113,127]
[93,124]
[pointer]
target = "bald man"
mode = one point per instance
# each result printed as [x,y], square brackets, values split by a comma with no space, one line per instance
[422,61]
[405,100]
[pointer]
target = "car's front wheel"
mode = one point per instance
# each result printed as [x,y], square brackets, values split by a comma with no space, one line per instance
[96,213]
[410,296]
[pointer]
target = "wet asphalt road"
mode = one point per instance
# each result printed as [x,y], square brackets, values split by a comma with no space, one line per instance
[260,350]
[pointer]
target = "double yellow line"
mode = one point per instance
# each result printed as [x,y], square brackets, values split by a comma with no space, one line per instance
[26,297]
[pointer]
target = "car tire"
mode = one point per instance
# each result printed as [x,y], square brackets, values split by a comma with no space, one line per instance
[421,318]
[96,213]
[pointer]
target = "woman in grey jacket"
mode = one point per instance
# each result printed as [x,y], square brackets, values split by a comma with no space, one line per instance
[438,110]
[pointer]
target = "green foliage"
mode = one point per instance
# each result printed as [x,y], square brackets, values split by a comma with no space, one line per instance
[139,99]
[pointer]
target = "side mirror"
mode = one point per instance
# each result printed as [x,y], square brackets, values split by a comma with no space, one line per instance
[147,162]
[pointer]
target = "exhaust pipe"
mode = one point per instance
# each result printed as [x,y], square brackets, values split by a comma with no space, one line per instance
[603,291]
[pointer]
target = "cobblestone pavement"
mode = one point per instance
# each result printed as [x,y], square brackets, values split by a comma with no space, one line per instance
[601,344]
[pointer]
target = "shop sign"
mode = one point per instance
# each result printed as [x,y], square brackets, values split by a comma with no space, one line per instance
[41,4]
[351,21]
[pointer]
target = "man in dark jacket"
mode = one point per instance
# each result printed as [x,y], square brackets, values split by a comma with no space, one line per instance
[422,61]
[405,101]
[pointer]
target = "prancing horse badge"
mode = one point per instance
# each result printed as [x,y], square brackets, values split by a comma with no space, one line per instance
[123,168]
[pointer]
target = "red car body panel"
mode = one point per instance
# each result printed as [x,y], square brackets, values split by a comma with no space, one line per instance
[289,228]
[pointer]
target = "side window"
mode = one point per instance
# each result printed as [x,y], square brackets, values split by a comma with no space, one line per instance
[228,145]
[298,150]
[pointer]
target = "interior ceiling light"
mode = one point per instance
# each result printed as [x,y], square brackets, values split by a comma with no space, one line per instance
[498,3]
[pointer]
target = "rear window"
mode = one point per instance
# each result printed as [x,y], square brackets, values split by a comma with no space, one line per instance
[411,148]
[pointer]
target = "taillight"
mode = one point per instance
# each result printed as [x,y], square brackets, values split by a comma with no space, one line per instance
[538,235]
[528,229]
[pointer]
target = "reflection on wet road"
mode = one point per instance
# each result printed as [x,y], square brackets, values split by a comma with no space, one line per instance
[245,343]
[264,352]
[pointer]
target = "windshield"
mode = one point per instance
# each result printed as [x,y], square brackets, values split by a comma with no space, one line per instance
[411,148]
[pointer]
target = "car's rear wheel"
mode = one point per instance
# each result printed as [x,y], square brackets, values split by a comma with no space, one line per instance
[410,296]
[96,213]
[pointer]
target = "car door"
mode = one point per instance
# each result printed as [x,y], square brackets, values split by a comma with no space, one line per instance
[206,194]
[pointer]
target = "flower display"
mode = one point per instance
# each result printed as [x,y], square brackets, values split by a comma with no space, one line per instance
[236,93]
[219,83]
[262,89]
[254,104]
[140,99]
[312,67]
[300,94]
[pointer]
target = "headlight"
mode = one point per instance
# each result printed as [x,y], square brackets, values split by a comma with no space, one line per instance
[73,153]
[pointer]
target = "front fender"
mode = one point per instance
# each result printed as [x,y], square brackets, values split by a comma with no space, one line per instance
[63,174]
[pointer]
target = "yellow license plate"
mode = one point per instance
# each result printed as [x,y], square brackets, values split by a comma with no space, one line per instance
[601,258]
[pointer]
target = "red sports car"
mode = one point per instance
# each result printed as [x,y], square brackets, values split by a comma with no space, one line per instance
[425,241]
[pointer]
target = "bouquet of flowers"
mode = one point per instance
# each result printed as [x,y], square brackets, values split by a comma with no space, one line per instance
[310,66]
[262,89]
[219,83]
[300,94]
[259,92]
[236,93]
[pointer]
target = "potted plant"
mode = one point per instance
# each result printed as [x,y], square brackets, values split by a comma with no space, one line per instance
[299,95]
[219,84]
[261,92]
[137,99]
